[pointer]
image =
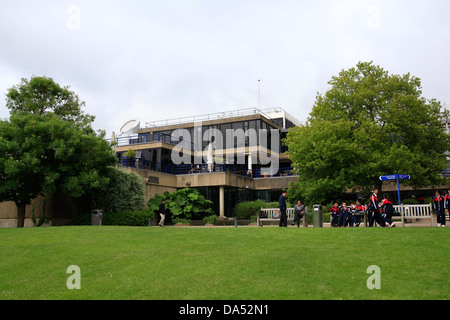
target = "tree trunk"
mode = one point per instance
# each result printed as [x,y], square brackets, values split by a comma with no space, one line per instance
[20,215]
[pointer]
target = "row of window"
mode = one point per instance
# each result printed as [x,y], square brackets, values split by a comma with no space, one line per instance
[256,125]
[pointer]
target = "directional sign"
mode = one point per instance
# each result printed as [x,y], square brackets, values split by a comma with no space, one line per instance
[395,177]
[391,177]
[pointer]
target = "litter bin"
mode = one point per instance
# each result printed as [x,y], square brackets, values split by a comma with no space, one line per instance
[317,216]
[96,217]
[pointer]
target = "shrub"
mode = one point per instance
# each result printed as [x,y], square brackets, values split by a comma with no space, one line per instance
[124,218]
[210,219]
[245,210]
[124,192]
[185,203]
[181,221]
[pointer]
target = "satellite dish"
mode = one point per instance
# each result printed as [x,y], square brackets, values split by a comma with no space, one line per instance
[129,128]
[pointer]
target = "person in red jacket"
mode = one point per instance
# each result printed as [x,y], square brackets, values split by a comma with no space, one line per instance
[374,210]
[438,202]
[359,212]
[447,203]
[388,210]
[334,212]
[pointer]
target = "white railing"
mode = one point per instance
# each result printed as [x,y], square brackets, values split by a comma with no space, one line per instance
[205,117]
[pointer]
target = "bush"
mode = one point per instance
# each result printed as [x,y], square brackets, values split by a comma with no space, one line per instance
[187,203]
[124,192]
[210,219]
[124,218]
[245,210]
[410,201]
[183,221]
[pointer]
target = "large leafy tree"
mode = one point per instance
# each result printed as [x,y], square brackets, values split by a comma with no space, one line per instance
[42,95]
[48,145]
[125,191]
[370,123]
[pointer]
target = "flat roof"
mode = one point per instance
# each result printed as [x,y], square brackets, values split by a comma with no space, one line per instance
[215,118]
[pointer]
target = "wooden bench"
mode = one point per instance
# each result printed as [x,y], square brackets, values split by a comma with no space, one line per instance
[414,211]
[271,211]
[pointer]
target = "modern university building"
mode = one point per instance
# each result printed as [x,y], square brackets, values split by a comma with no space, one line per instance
[228,156]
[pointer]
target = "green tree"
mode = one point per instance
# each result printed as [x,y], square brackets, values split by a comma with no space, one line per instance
[368,124]
[42,95]
[124,192]
[43,150]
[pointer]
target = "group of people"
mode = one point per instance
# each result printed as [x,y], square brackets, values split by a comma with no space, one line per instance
[379,212]
[299,209]
[343,216]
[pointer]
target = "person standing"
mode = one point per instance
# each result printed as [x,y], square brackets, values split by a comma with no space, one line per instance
[334,212]
[374,210]
[351,218]
[162,212]
[283,207]
[344,214]
[447,203]
[438,202]
[299,209]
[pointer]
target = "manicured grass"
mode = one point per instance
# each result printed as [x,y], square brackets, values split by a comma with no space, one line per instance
[224,263]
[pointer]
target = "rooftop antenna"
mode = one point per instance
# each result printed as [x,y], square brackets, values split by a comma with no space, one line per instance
[259,94]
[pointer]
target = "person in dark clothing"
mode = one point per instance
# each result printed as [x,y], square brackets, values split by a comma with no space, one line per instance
[344,215]
[388,207]
[374,210]
[447,203]
[359,212]
[334,212]
[439,206]
[283,208]
[298,213]
[162,212]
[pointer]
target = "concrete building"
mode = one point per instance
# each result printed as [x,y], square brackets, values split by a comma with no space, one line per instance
[228,156]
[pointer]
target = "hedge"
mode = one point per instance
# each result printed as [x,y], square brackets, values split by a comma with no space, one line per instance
[124,218]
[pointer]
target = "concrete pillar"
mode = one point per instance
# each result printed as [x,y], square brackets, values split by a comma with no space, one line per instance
[222,202]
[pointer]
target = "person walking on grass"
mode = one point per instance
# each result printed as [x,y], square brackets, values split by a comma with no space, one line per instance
[162,212]
[283,207]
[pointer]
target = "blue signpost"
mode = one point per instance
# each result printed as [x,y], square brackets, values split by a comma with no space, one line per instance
[397,177]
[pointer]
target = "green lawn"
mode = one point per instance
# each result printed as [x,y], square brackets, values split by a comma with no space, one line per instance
[224,263]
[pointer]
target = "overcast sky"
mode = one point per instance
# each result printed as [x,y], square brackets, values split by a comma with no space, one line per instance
[160,59]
